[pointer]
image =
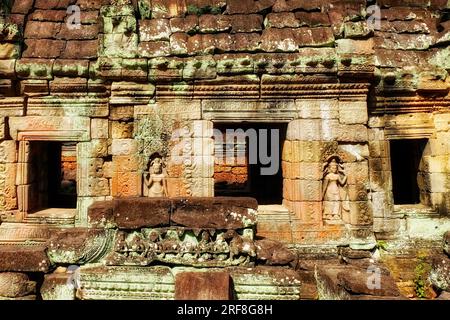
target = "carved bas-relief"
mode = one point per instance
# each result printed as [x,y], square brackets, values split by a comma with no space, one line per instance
[155,179]
[184,246]
[336,206]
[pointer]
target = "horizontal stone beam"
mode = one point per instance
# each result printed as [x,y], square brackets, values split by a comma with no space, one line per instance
[197,212]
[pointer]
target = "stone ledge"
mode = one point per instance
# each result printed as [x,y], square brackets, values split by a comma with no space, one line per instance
[197,212]
[24,259]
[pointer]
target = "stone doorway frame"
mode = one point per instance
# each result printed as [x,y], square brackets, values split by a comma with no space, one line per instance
[22,175]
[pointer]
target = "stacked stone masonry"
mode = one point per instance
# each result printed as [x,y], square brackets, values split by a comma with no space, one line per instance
[143,79]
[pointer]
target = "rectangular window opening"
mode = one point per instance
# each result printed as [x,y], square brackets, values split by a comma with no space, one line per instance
[406,155]
[236,174]
[53,172]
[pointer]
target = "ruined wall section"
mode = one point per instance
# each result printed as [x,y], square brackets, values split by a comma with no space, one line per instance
[168,65]
[410,101]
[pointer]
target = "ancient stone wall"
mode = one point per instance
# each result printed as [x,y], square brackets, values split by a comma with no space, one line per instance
[139,78]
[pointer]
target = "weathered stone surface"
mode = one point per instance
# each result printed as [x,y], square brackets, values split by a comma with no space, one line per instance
[56,286]
[135,213]
[440,272]
[77,245]
[444,296]
[203,286]
[14,285]
[154,30]
[250,283]
[100,214]
[217,213]
[43,48]
[356,282]
[446,243]
[23,259]
[274,253]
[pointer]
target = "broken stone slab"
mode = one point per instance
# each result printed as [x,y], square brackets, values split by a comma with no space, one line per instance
[13,285]
[444,296]
[56,286]
[100,214]
[275,253]
[340,282]
[22,258]
[126,283]
[440,272]
[203,286]
[266,283]
[354,254]
[79,245]
[364,282]
[327,283]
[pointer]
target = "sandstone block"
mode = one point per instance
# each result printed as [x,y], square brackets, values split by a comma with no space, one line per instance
[304,129]
[274,253]
[96,148]
[355,281]
[154,49]
[7,68]
[220,213]
[43,48]
[246,23]
[126,184]
[353,112]
[281,20]
[154,30]
[360,213]
[123,147]
[357,172]
[99,129]
[440,272]
[24,259]
[92,186]
[81,49]
[309,212]
[37,123]
[13,285]
[100,214]
[203,286]
[141,212]
[121,130]
[187,24]
[8,151]
[318,109]
[2,128]
[55,287]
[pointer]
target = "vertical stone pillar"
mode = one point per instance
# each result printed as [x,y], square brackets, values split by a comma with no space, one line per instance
[202,158]
[24,176]
[437,155]
[352,136]
[127,180]
[92,183]
[8,159]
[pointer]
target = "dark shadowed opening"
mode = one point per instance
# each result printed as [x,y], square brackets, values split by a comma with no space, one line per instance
[236,176]
[53,175]
[405,159]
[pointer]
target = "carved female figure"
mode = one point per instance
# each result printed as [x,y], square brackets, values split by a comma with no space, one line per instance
[156,182]
[334,190]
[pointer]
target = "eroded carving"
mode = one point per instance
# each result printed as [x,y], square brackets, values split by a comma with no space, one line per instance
[182,246]
[334,190]
[155,180]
